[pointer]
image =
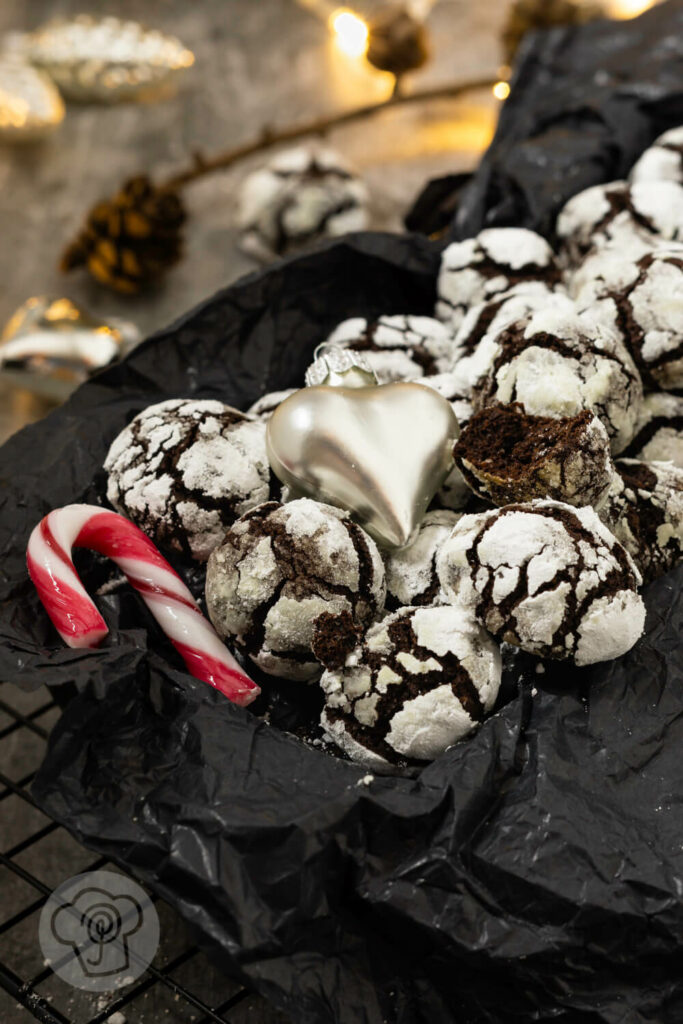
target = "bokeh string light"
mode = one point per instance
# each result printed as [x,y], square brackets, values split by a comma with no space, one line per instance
[629,8]
[350,32]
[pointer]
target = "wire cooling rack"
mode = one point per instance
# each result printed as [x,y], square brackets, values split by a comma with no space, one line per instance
[36,855]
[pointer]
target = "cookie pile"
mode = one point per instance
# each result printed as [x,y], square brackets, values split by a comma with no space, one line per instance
[565,372]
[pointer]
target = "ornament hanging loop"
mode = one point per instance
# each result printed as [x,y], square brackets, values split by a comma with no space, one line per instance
[339,367]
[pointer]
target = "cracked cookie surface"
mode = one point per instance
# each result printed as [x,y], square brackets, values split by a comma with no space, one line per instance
[546,577]
[617,214]
[643,301]
[184,470]
[411,571]
[400,347]
[475,342]
[421,679]
[659,430]
[282,566]
[558,363]
[497,259]
[301,195]
[645,513]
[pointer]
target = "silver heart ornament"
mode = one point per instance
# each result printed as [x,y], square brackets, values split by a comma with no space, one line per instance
[380,452]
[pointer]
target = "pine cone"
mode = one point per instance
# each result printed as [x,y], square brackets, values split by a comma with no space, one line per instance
[129,240]
[397,42]
[525,15]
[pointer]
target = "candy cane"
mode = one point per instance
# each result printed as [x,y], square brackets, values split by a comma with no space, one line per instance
[76,617]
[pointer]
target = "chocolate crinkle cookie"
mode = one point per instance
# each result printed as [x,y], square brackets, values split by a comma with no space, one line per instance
[607,270]
[454,493]
[507,456]
[546,577]
[559,363]
[421,680]
[618,214]
[399,347]
[497,259]
[411,571]
[448,386]
[645,305]
[184,470]
[265,406]
[282,566]
[476,343]
[659,430]
[663,161]
[300,196]
[645,513]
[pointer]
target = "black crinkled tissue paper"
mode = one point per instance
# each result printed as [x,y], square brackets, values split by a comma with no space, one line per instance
[585,102]
[534,872]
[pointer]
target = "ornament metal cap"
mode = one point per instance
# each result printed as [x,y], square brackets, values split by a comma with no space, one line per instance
[339,367]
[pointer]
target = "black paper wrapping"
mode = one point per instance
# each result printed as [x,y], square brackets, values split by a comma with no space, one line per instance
[532,873]
[585,102]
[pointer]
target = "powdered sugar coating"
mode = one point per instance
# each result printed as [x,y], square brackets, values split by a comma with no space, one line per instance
[617,214]
[663,161]
[421,680]
[400,347]
[659,430]
[454,492]
[184,470]
[558,363]
[609,268]
[476,343]
[645,513]
[411,571]
[448,386]
[475,270]
[646,306]
[301,195]
[266,405]
[546,577]
[282,566]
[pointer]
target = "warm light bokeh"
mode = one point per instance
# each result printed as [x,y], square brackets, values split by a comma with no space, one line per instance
[350,32]
[629,8]
[501,90]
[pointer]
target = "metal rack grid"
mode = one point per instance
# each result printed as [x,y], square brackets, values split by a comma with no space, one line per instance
[161,993]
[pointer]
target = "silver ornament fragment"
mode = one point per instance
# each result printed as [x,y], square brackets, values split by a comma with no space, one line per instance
[105,59]
[30,105]
[50,345]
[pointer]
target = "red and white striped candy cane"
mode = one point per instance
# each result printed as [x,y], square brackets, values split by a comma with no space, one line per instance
[76,617]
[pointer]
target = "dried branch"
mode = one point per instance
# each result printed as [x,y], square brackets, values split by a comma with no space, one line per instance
[270,137]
